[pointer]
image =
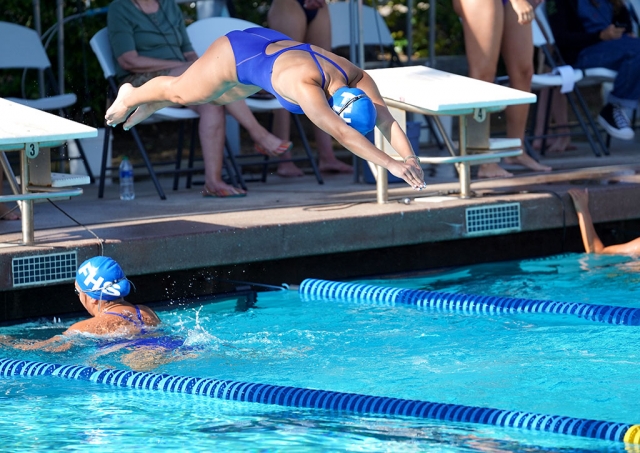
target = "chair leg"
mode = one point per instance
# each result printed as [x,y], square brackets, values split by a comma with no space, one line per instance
[192,152]
[432,131]
[234,164]
[176,175]
[307,148]
[103,165]
[594,128]
[547,118]
[583,125]
[83,156]
[147,162]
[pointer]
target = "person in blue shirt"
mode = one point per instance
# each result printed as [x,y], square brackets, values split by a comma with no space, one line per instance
[598,33]
[337,96]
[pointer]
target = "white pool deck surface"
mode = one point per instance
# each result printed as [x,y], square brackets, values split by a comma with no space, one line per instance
[297,217]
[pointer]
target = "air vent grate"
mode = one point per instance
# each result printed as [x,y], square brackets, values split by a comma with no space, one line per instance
[56,267]
[494,219]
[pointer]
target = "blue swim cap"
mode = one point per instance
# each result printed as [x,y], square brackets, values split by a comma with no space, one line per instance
[102,279]
[355,108]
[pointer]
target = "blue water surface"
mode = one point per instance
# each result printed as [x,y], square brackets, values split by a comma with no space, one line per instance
[552,364]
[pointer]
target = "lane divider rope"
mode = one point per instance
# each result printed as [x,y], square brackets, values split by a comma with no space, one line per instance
[313,289]
[327,400]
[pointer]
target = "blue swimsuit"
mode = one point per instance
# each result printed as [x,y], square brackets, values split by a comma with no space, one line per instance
[139,323]
[162,341]
[254,66]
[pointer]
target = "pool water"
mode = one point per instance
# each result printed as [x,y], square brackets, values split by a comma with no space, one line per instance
[551,364]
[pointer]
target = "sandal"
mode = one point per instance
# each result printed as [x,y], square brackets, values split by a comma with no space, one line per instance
[223,193]
[280,150]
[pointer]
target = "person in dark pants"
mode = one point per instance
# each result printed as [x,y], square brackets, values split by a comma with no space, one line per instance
[592,33]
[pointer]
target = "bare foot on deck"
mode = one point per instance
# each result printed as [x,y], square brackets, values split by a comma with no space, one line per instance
[289,170]
[555,145]
[492,171]
[560,145]
[334,166]
[7,213]
[220,189]
[527,161]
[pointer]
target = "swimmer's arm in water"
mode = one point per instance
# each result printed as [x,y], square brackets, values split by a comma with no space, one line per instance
[59,343]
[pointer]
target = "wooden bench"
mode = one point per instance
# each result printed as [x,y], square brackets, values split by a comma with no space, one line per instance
[32,132]
[423,90]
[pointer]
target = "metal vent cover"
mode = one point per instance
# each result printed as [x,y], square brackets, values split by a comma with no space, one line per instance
[494,219]
[38,269]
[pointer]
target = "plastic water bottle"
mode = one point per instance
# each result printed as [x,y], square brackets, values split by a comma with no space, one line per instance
[126,180]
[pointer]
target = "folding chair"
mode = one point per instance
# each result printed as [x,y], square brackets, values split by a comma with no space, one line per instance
[102,49]
[544,40]
[21,48]
[202,33]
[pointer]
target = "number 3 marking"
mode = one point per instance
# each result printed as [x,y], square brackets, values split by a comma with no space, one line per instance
[32,150]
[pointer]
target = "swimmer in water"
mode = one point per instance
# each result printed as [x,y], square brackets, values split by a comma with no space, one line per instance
[590,239]
[116,324]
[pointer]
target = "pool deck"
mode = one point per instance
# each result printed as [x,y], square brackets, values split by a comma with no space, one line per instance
[339,224]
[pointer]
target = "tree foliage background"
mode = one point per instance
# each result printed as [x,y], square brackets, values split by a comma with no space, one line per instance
[83,75]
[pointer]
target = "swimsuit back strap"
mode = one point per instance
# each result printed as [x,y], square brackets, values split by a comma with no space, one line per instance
[139,315]
[139,323]
[314,53]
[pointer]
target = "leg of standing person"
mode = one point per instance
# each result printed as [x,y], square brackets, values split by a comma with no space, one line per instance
[590,239]
[517,51]
[482,23]
[288,17]
[6,213]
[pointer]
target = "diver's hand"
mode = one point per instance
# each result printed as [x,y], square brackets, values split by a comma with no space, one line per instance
[410,171]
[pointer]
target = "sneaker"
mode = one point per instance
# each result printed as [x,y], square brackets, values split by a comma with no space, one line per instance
[613,119]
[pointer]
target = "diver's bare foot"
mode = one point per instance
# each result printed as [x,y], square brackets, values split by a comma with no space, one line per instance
[580,199]
[139,115]
[118,112]
[289,170]
[334,166]
[492,171]
[527,161]
[7,213]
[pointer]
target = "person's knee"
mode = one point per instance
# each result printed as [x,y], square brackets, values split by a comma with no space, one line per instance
[210,113]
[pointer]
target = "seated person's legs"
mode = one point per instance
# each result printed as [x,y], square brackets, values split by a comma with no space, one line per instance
[621,55]
[211,130]
[314,27]
[560,117]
